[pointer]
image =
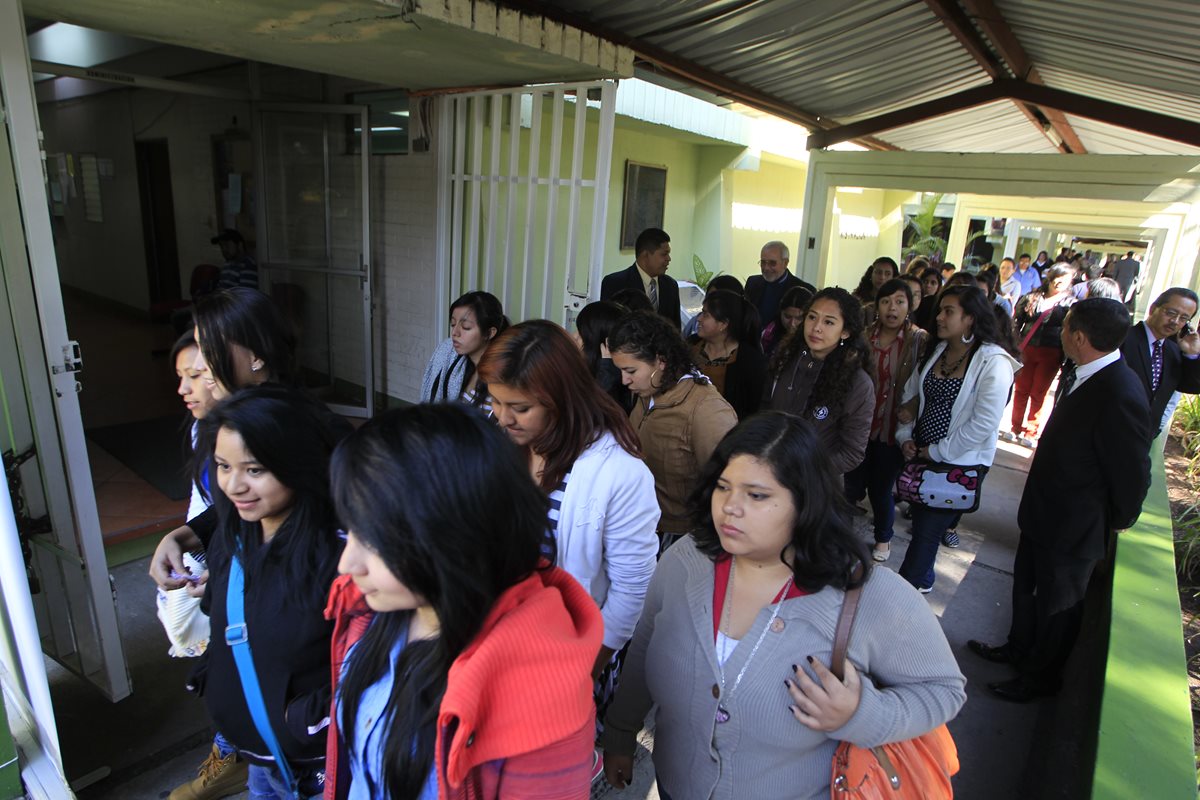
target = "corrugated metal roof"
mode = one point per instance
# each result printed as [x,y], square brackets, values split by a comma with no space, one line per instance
[843,60]
[993,128]
[1100,137]
[1142,55]
[846,60]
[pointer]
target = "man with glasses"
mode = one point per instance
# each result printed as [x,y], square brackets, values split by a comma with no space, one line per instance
[1164,351]
[766,290]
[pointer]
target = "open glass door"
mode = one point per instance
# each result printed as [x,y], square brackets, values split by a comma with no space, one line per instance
[314,243]
[45,456]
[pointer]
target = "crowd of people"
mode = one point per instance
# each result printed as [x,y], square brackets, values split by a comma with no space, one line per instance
[484,594]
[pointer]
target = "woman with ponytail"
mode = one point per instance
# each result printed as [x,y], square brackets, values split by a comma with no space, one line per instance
[819,373]
[727,349]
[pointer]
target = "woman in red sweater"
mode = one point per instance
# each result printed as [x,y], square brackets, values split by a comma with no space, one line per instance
[461,658]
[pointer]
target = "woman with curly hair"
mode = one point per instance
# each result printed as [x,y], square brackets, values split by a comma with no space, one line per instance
[819,373]
[679,416]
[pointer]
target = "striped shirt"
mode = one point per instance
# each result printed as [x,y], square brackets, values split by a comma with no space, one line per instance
[556,501]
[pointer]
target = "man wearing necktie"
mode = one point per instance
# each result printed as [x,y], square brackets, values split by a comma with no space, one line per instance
[1089,476]
[648,274]
[1163,364]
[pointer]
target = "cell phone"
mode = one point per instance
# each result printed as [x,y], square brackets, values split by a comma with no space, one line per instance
[1187,329]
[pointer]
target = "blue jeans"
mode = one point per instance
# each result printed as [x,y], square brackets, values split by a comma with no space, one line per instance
[876,477]
[223,745]
[928,525]
[265,783]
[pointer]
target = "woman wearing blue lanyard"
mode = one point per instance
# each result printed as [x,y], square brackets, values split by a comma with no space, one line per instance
[265,675]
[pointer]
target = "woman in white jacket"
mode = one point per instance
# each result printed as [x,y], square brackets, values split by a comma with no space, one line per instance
[962,387]
[584,454]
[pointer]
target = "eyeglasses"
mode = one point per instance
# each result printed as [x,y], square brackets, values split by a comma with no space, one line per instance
[1171,315]
[767,262]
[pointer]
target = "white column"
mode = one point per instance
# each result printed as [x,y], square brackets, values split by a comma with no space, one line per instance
[1012,230]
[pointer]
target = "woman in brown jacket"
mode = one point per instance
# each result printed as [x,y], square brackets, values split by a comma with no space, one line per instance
[818,374]
[896,345]
[679,415]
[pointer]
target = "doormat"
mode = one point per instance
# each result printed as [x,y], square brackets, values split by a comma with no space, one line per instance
[153,449]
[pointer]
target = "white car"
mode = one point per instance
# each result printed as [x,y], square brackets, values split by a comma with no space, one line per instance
[691,299]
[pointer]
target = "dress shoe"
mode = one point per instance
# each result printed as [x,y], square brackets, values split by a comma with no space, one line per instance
[999,654]
[1018,690]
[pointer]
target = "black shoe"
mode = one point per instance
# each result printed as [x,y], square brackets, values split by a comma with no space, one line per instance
[999,654]
[1019,690]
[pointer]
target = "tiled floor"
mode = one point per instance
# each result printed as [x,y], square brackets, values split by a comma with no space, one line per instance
[129,506]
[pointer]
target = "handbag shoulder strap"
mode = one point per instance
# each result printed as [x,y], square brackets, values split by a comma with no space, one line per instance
[841,633]
[237,637]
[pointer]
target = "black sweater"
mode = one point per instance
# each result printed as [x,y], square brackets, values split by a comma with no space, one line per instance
[290,645]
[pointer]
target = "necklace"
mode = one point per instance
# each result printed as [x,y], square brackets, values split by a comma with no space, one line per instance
[722,707]
[947,372]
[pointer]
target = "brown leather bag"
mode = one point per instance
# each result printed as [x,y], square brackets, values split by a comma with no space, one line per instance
[915,769]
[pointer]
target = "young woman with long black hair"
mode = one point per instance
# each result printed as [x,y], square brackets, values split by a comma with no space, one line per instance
[789,319]
[753,592]
[451,375]
[819,373]
[727,349]
[592,325]
[462,657]
[267,450]
[961,388]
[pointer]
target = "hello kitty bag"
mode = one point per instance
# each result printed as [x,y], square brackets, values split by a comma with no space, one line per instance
[949,487]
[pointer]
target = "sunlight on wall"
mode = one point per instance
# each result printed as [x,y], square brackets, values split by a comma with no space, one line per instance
[750,217]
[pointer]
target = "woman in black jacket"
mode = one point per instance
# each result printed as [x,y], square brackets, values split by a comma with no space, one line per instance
[268,450]
[728,350]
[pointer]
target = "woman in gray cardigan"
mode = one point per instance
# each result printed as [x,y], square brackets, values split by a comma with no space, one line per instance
[734,641]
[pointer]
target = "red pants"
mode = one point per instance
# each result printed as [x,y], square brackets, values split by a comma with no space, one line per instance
[1029,389]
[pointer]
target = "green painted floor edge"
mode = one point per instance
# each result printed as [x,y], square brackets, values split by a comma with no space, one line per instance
[124,552]
[1145,746]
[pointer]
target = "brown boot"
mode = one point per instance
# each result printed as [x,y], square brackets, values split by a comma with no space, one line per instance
[217,777]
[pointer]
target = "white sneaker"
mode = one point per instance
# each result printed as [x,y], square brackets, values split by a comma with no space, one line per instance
[1007,436]
[1025,441]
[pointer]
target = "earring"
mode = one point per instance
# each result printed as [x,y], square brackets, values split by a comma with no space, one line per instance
[652,383]
[965,340]
[255,366]
[841,342]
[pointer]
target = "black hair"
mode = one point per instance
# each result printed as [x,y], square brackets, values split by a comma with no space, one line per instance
[1052,274]
[795,297]
[740,313]
[489,314]
[650,240]
[726,283]
[975,304]
[988,278]
[932,272]
[646,336]
[288,434]
[865,290]
[633,300]
[248,318]
[593,324]
[961,279]
[446,502]
[1025,255]
[892,286]
[1175,291]
[889,261]
[186,340]
[1103,321]
[824,544]
[838,372]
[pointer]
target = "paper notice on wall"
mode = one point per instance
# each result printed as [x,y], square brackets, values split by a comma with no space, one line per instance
[90,173]
[233,201]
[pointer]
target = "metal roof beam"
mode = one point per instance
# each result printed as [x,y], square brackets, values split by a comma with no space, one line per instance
[1179,130]
[969,98]
[989,20]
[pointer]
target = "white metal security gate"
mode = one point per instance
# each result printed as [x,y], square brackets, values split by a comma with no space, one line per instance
[523,196]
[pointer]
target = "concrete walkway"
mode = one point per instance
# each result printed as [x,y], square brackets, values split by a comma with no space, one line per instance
[154,740]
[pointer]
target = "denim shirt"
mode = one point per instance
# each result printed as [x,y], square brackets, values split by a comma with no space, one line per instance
[369,736]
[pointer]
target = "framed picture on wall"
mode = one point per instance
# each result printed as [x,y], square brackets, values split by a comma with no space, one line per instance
[645,198]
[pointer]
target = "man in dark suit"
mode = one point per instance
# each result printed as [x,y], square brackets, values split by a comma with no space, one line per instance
[766,290]
[1163,365]
[1126,272]
[1089,476]
[648,274]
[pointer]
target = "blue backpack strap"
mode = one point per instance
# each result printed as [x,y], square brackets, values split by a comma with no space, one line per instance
[238,639]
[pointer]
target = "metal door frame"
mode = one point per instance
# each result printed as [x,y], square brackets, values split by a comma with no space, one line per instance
[364,272]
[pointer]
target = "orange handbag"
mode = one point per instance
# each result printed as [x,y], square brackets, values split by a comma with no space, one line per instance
[915,769]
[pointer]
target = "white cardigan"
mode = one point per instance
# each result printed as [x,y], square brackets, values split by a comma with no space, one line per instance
[606,533]
[975,415]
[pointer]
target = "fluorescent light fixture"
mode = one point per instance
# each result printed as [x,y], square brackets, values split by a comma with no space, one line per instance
[750,217]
